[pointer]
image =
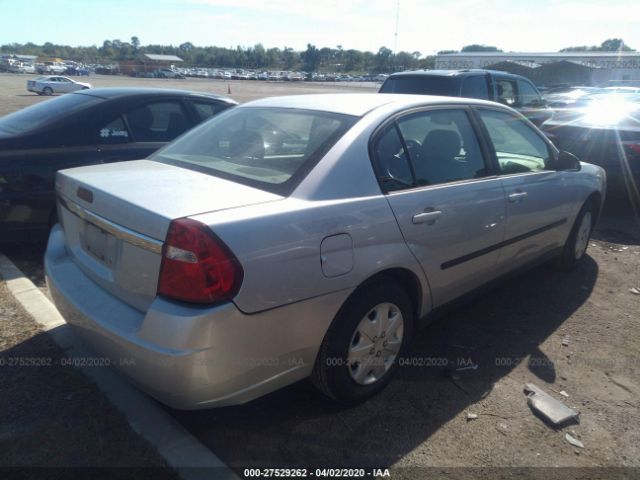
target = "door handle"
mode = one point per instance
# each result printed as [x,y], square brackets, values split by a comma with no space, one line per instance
[427,217]
[517,197]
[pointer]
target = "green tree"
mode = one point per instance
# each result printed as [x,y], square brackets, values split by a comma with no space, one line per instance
[259,56]
[289,58]
[404,61]
[609,45]
[383,60]
[310,58]
[614,45]
[353,60]
[49,49]
[427,63]
[479,48]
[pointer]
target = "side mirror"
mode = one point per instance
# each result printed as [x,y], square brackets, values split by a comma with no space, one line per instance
[567,161]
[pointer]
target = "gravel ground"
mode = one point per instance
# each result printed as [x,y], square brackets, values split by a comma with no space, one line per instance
[51,416]
[514,334]
[511,335]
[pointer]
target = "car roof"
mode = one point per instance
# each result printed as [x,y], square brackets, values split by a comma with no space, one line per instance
[358,104]
[121,92]
[453,73]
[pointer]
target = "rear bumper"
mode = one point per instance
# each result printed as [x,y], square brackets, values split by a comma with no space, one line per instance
[191,357]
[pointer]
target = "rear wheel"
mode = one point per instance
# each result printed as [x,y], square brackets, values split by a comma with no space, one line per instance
[578,241]
[360,352]
[47,91]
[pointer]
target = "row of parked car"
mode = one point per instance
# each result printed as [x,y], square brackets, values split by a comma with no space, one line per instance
[285,76]
[285,238]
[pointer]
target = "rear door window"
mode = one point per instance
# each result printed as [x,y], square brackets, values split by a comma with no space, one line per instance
[421,85]
[114,132]
[475,87]
[157,121]
[428,148]
[442,147]
[392,164]
[206,110]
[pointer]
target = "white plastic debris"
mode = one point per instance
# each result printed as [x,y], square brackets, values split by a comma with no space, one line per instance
[574,441]
[469,367]
[548,407]
[563,393]
[634,290]
[471,416]
[565,341]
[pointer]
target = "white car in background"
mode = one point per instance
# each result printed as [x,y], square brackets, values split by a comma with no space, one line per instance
[50,84]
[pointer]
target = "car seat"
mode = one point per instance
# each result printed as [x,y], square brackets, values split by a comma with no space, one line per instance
[140,121]
[437,162]
[177,125]
[246,144]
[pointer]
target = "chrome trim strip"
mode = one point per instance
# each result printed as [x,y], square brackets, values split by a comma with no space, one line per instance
[122,233]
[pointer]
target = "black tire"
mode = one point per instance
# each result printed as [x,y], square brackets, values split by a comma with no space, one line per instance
[332,371]
[47,91]
[571,252]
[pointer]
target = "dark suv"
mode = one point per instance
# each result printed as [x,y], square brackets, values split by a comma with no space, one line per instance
[512,90]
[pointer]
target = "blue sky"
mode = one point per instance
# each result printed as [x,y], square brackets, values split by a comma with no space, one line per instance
[425,26]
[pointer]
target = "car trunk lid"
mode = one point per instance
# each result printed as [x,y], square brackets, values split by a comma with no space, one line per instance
[116,216]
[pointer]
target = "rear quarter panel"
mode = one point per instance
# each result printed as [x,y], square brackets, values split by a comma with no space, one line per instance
[279,247]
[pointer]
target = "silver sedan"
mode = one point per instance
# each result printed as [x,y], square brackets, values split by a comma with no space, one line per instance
[48,85]
[307,236]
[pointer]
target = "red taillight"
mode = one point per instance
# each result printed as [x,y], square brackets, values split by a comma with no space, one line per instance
[196,265]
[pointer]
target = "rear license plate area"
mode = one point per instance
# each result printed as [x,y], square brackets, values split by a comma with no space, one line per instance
[99,244]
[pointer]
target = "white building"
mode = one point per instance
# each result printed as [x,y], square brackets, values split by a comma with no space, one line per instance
[605,66]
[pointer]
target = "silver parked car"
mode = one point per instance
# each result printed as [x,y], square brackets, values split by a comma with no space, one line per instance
[306,236]
[50,84]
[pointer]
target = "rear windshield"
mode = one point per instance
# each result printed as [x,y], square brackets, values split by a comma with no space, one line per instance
[421,85]
[268,148]
[46,112]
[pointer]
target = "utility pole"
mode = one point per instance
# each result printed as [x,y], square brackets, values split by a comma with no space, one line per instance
[395,38]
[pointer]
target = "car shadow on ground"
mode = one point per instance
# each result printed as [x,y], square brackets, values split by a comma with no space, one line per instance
[454,363]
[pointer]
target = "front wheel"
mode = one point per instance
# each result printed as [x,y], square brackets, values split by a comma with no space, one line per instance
[578,241]
[360,352]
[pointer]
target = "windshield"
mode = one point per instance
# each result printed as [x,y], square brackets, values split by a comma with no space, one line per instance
[45,113]
[421,85]
[269,148]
